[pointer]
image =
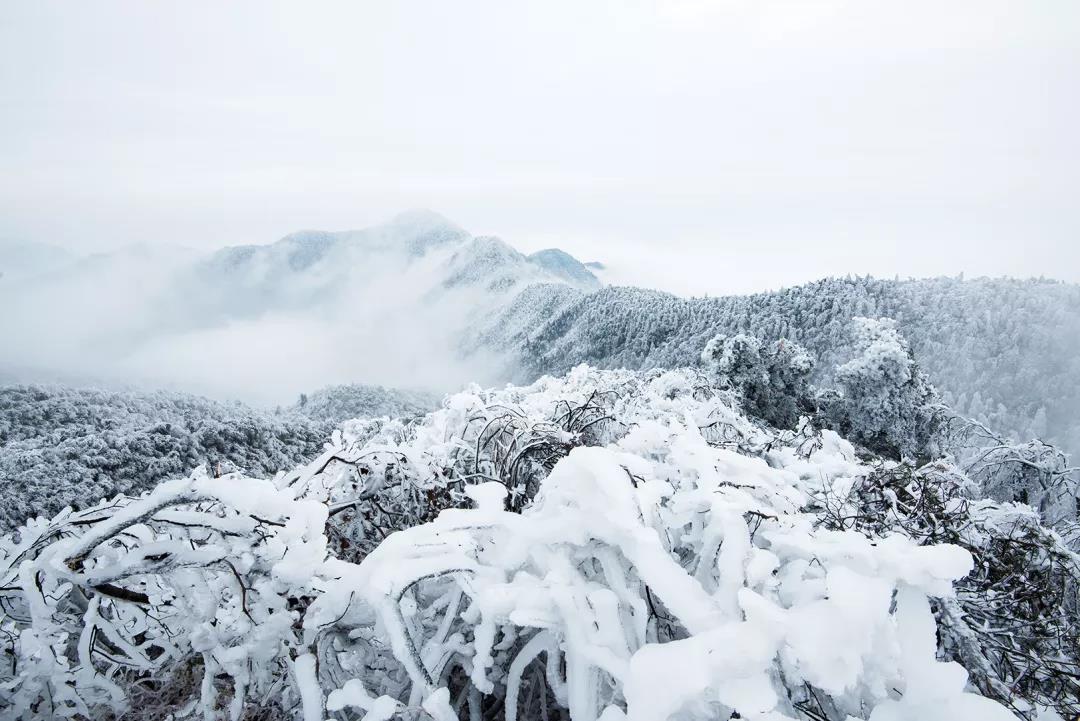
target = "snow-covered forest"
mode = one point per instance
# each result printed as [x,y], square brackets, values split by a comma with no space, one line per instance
[1005,352]
[335,404]
[697,543]
[852,499]
[443,307]
[63,446]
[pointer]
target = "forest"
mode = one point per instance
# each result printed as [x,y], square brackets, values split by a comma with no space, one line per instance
[1002,351]
[696,543]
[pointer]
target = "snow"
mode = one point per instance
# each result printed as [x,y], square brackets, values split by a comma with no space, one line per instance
[308,685]
[933,691]
[354,694]
[665,569]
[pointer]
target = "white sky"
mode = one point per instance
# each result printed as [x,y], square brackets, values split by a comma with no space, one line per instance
[696,146]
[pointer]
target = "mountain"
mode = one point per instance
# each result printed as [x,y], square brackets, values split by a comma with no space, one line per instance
[692,530]
[1004,351]
[312,269]
[407,236]
[315,264]
[567,267]
[380,305]
[419,303]
[19,261]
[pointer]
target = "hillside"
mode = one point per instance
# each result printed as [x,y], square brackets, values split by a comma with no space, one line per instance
[267,322]
[420,303]
[1006,352]
[335,404]
[62,446]
[604,546]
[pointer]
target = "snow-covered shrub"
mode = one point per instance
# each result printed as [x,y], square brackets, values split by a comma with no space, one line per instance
[603,546]
[1015,619]
[116,600]
[886,403]
[1034,473]
[773,379]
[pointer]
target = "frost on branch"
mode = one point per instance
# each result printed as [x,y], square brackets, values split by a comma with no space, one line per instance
[1013,621]
[603,546]
[773,380]
[119,600]
[886,402]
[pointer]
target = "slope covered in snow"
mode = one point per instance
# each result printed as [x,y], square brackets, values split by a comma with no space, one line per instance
[567,267]
[72,447]
[335,404]
[419,303]
[606,545]
[1004,351]
[62,446]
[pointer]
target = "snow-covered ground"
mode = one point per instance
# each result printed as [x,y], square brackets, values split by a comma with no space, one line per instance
[601,546]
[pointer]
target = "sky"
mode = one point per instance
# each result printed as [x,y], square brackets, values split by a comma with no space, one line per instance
[700,147]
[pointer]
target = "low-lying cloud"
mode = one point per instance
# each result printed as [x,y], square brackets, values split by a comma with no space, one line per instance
[156,319]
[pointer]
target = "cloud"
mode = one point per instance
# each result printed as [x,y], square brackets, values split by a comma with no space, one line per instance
[262,333]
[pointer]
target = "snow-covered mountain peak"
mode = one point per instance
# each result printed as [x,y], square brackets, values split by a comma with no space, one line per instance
[422,220]
[419,231]
[565,266]
[493,263]
[305,248]
[334,294]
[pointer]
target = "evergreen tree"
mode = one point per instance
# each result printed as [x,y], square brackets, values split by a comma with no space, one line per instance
[886,401]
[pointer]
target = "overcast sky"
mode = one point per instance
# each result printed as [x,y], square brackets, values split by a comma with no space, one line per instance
[696,146]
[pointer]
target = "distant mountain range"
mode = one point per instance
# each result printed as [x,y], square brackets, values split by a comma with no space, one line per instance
[386,304]
[309,266]
[26,260]
[420,303]
[314,267]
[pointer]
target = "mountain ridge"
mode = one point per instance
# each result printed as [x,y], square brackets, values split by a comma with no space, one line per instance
[419,302]
[1002,350]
